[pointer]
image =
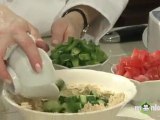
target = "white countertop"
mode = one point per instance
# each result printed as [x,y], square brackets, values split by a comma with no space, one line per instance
[114,50]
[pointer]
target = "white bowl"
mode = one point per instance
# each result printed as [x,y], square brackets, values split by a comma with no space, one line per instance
[147,91]
[105,80]
[98,67]
[26,81]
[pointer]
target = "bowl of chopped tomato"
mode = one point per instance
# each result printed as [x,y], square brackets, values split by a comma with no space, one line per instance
[143,68]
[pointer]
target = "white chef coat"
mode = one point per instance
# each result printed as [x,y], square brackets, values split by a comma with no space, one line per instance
[42,13]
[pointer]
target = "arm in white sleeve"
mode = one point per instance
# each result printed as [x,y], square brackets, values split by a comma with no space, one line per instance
[109,10]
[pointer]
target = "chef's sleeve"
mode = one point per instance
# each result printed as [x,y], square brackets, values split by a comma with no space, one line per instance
[109,11]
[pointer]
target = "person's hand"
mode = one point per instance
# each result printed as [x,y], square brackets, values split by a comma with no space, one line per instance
[14,30]
[69,25]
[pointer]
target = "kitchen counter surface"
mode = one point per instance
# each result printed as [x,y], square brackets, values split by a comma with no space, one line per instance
[114,51]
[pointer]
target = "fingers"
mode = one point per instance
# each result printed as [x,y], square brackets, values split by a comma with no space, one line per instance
[61,30]
[29,47]
[57,36]
[41,44]
[3,70]
[34,32]
[68,33]
[58,30]
[4,73]
[39,41]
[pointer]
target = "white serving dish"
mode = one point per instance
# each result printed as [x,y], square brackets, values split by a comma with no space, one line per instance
[98,67]
[147,91]
[105,80]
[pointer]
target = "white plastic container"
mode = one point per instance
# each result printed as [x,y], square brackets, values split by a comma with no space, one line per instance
[26,81]
[151,36]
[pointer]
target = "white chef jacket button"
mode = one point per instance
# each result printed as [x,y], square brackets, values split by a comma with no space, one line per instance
[9,0]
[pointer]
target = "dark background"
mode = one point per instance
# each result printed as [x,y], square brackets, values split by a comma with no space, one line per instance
[137,12]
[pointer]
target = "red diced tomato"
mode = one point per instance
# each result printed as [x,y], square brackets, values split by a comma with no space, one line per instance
[143,70]
[136,62]
[141,54]
[120,69]
[152,73]
[135,53]
[144,55]
[141,65]
[133,71]
[125,60]
[156,55]
[141,78]
[128,75]
[158,69]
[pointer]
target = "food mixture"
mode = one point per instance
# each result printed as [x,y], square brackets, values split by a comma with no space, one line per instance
[75,98]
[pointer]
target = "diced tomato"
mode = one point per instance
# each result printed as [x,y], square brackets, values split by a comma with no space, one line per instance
[128,75]
[120,69]
[135,53]
[135,62]
[147,65]
[143,70]
[141,78]
[158,69]
[141,65]
[125,61]
[142,55]
[156,55]
[133,71]
[152,73]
